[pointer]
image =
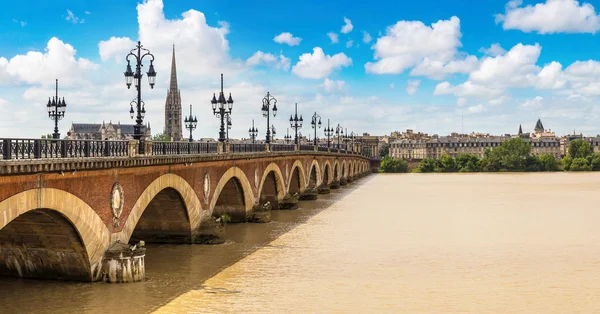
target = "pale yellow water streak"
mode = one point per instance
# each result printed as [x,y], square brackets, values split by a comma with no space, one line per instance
[456,243]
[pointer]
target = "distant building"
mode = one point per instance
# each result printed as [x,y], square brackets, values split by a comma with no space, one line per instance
[105,131]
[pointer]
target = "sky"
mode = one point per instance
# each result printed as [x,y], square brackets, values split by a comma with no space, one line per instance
[434,66]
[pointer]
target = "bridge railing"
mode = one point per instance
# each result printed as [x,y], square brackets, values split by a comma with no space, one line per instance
[307,147]
[247,148]
[57,148]
[282,147]
[182,148]
[323,148]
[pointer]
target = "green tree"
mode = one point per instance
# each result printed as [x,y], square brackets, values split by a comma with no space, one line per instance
[594,161]
[388,164]
[161,137]
[384,151]
[513,154]
[428,165]
[533,164]
[491,161]
[580,164]
[447,164]
[466,162]
[548,163]
[580,149]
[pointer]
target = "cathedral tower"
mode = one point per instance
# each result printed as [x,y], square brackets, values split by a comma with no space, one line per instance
[173,106]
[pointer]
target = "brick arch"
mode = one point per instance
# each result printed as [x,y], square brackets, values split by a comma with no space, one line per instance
[301,173]
[327,167]
[92,231]
[344,171]
[246,189]
[169,180]
[353,167]
[281,188]
[315,165]
[336,166]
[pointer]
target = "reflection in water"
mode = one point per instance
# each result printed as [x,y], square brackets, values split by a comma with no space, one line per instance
[171,270]
[467,243]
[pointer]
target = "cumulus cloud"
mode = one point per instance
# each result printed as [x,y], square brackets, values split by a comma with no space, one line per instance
[287,38]
[347,28]
[333,37]
[259,57]
[366,37]
[535,103]
[412,87]
[475,109]
[432,50]
[349,43]
[73,19]
[317,65]
[115,47]
[494,50]
[333,85]
[553,16]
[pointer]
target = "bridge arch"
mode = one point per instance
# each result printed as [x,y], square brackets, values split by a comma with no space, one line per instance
[314,175]
[327,172]
[75,214]
[344,173]
[166,182]
[296,178]
[275,187]
[233,195]
[336,170]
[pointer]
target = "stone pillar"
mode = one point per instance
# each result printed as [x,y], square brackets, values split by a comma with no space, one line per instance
[309,195]
[335,184]
[296,147]
[261,212]
[124,263]
[324,189]
[227,147]
[220,148]
[289,201]
[210,231]
[316,148]
[132,147]
[148,148]
[268,148]
[343,181]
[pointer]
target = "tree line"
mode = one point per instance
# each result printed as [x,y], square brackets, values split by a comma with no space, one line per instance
[513,155]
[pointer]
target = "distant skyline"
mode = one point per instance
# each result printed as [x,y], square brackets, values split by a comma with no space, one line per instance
[380,68]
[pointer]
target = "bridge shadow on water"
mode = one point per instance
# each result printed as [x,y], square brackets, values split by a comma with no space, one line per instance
[171,269]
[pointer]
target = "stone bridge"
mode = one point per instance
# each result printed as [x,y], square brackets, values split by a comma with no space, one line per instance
[80,218]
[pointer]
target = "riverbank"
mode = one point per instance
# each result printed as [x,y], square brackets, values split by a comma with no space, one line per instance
[171,270]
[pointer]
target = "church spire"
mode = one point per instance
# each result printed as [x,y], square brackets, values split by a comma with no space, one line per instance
[520,130]
[173,86]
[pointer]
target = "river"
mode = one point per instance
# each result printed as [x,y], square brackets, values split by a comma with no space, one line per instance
[415,243]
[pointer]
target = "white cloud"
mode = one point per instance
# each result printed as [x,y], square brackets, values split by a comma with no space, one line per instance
[553,16]
[73,19]
[333,85]
[317,65]
[287,38]
[22,23]
[347,28]
[366,37]
[535,103]
[88,12]
[475,109]
[333,37]
[467,89]
[349,43]
[260,57]
[494,50]
[432,50]
[115,47]
[392,86]
[412,87]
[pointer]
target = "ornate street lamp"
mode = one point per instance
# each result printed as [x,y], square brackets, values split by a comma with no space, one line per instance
[352,137]
[287,137]
[315,125]
[139,53]
[328,132]
[266,109]
[346,139]
[253,132]
[221,109]
[296,123]
[56,111]
[339,131]
[191,123]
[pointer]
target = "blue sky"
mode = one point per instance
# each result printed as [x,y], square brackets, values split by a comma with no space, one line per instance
[432,66]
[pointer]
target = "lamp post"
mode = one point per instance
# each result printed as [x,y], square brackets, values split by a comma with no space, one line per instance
[190,123]
[273,132]
[266,109]
[56,111]
[253,132]
[328,132]
[315,125]
[352,136]
[296,123]
[346,139]
[339,131]
[139,53]
[287,137]
[221,108]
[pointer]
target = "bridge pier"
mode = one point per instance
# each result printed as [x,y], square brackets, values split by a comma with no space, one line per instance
[309,195]
[289,201]
[335,184]
[261,212]
[210,232]
[124,263]
[324,189]
[343,182]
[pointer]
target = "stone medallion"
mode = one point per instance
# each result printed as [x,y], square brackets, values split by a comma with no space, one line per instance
[256,177]
[116,203]
[206,187]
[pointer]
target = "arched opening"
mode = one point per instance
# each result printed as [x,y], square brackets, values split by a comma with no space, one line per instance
[312,179]
[231,201]
[270,192]
[165,220]
[344,170]
[326,176]
[295,182]
[335,172]
[42,243]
